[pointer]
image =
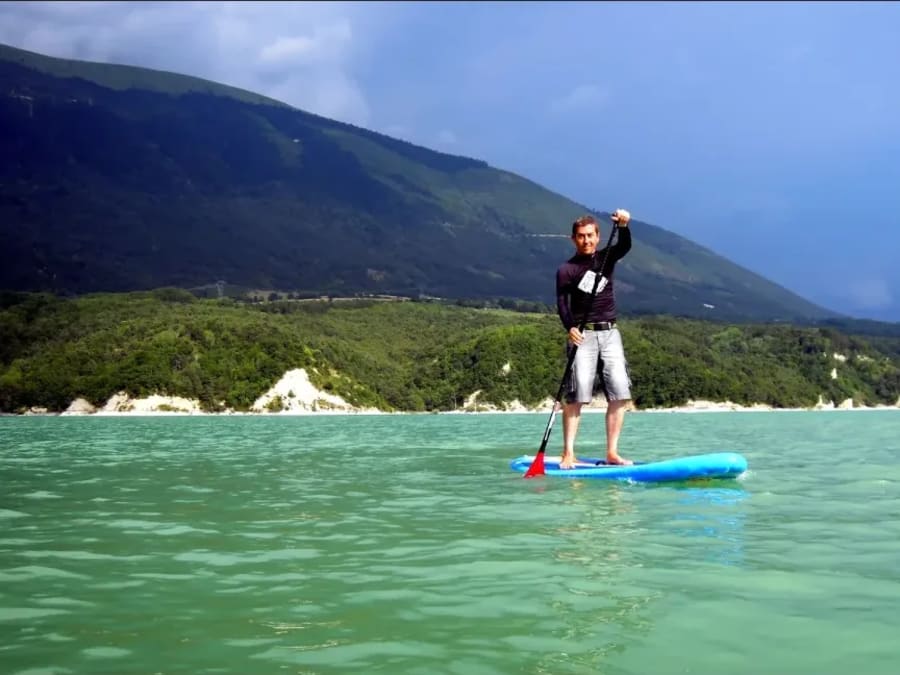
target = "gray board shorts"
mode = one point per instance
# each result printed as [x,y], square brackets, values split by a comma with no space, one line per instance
[599,347]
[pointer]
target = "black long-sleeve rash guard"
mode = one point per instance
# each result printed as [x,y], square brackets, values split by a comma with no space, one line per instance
[571,302]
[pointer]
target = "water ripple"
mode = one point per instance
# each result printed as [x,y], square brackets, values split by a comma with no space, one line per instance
[404,544]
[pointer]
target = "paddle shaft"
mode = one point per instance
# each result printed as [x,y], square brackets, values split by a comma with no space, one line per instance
[571,359]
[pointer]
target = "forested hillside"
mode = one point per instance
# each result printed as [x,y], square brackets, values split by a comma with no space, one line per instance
[409,356]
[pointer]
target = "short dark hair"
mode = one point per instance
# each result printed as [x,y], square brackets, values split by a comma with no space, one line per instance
[585,220]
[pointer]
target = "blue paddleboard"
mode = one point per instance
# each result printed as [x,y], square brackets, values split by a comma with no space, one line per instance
[711,465]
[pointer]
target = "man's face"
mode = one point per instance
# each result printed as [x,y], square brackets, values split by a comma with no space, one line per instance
[585,239]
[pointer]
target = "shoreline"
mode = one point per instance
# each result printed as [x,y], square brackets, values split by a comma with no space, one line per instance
[295,396]
[678,410]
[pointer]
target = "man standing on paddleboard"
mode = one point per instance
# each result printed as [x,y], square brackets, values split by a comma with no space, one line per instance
[600,343]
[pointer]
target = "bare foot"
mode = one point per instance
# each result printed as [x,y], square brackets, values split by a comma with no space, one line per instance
[567,462]
[615,459]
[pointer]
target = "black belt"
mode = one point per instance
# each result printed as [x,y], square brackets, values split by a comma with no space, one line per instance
[602,325]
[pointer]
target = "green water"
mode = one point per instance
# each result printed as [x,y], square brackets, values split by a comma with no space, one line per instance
[404,544]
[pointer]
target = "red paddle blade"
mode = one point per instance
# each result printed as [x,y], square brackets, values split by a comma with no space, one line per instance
[537,467]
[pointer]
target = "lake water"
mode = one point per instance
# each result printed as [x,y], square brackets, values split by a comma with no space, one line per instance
[405,544]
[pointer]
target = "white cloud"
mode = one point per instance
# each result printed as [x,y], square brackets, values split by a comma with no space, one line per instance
[301,53]
[328,93]
[396,130]
[447,137]
[870,293]
[799,53]
[583,97]
[287,49]
[326,44]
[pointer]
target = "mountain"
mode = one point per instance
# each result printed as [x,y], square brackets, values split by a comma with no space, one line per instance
[116,178]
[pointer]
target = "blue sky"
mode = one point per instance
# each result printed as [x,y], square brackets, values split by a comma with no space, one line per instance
[768,132]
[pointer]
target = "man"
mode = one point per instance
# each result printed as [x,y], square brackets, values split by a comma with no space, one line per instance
[601,339]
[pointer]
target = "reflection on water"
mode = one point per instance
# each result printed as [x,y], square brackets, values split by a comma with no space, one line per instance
[611,536]
[717,515]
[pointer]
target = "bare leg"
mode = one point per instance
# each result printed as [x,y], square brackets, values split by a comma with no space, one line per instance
[615,418]
[571,418]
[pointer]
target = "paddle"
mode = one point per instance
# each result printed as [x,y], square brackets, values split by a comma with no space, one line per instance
[537,466]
